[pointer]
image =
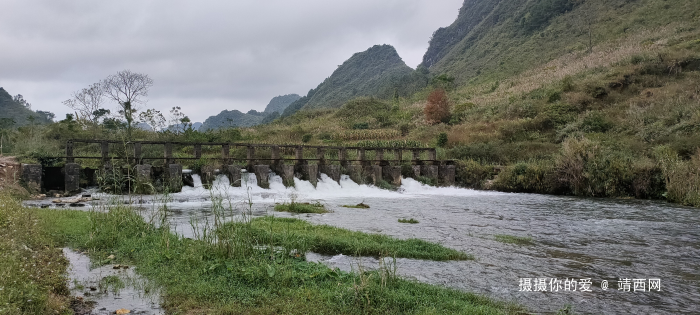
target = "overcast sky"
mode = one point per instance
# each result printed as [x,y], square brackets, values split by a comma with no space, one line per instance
[205,56]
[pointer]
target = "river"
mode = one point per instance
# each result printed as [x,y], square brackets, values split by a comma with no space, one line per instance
[648,252]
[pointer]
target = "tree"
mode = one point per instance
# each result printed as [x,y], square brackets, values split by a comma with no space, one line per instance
[128,89]
[586,17]
[153,118]
[88,103]
[438,108]
[19,99]
[46,114]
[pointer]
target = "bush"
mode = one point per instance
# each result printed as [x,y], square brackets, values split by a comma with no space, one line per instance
[360,126]
[442,140]
[472,174]
[306,138]
[438,108]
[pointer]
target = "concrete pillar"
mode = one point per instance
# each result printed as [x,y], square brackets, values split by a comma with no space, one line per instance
[355,173]
[287,174]
[399,155]
[363,157]
[343,157]
[173,175]
[31,177]
[321,156]
[392,174]
[310,173]
[429,171]
[225,153]
[251,158]
[416,157]
[207,174]
[276,158]
[375,173]
[379,157]
[143,179]
[168,153]
[432,156]
[137,152]
[416,171]
[104,146]
[333,171]
[234,175]
[72,177]
[69,152]
[197,151]
[446,175]
[262,173]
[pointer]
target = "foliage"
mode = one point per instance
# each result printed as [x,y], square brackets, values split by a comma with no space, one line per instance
[510,239]
[297,207]
[438,108]
[279,103]
[442,139]
[13,111]
[409,221]
[32,266]
[231,119]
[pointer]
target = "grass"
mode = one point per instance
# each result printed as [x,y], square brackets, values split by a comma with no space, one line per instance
[239,268]
[360,205]
[32,266]
[510,239]
[301,207]
[324,239]
[410,221]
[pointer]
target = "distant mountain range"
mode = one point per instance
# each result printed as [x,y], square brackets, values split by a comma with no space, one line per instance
[280,103]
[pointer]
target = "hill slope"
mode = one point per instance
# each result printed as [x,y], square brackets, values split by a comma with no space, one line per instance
[232,118]
[493,39]
[377,72]
[18,113]
[280,103]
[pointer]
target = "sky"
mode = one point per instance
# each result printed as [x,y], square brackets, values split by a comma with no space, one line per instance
[204,56]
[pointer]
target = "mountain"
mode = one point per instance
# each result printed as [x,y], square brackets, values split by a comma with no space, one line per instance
[496,39]
[377,72]
[280,103]
[11,109]
[232,118]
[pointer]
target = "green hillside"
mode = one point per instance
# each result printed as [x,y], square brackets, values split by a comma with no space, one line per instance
[280,103]
[232,118]
[14,114]
[376,72]
[496,39]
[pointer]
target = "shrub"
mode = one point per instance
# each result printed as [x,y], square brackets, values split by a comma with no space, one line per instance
[438,108]
[472,174]
[442,140]
[360,126]
[306,138]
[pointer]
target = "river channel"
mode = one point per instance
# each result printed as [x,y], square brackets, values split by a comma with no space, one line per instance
[639,256]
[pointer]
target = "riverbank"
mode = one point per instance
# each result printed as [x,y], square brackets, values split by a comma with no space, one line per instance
[240,271]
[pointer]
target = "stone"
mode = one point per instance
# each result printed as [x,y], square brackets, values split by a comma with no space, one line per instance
[429,171]
[333,171]
[446,175]
[207,173]
[233,172]
[287,173]
[310,173]
[356,174]
[392,174]
[72,177]
[262,174]
[173,176]
[31,177]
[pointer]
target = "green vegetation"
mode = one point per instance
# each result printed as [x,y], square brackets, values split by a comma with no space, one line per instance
[279,103]
[32,266]
[360,205]
[301,207]
[510,239]
[409,221]
[249,266]
[231,119]
[324,239]
[16,112]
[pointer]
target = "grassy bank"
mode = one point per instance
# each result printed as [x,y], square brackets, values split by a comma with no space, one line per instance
[253,266]
[32,266]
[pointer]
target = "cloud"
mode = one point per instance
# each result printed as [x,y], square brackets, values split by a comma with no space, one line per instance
[205,56]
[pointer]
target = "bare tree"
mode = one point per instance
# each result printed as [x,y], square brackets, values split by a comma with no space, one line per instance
[586,18]
[87,103]
[128,89]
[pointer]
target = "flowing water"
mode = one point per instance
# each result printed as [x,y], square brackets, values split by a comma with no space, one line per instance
[566,239]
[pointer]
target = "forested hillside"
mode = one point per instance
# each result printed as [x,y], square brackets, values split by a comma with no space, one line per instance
[280,103]
[231,119]
[15,113]
[376,72]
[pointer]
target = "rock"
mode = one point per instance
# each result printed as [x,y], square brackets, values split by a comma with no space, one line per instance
[44,206]
[122,311]
[110,257]
[86,196]
[57,201]
[77,204]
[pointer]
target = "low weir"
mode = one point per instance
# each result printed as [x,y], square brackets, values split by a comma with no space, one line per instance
[364,165]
